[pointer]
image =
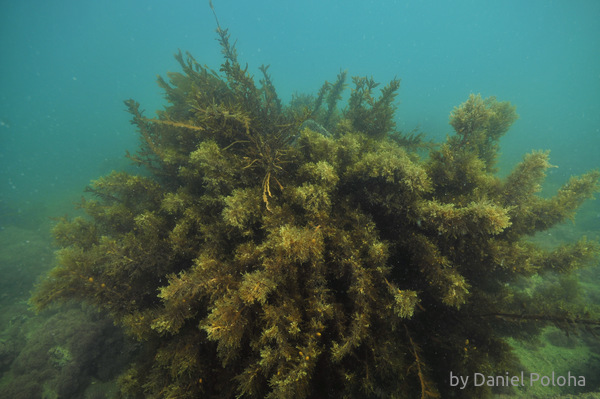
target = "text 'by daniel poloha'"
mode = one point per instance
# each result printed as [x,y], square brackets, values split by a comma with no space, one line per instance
[516,380]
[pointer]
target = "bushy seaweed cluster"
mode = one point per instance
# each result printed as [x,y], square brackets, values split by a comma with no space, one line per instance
[308,252]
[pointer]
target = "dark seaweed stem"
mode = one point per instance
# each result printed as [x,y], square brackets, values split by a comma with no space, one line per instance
[560,321]
[428,389]
[271,100]
[212,7]
[335,94]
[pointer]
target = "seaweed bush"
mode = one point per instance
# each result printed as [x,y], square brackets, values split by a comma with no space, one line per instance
[273,251]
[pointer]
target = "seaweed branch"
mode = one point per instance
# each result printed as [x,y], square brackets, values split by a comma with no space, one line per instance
[561,321]
[427,388]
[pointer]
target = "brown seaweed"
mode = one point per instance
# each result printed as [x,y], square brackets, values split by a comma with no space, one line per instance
[256,257]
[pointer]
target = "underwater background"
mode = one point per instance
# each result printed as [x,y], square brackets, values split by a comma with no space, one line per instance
[67,66]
